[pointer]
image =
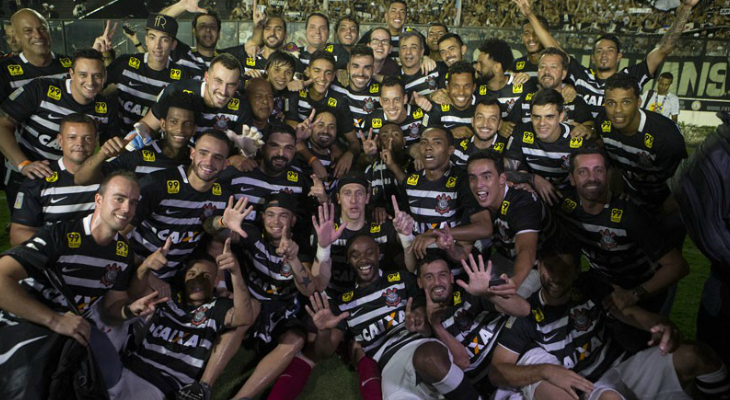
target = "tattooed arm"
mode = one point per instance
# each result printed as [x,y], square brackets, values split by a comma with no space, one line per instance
[666,45]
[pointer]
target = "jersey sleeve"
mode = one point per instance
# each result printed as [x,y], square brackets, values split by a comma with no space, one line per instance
[127,161]
[672,150]
[219,311]
[581,111]
[291,111]
[514,145]
[125,277]
[432,116]
[151,192]
[36,253]
[642,226]
[345,120]
[28,209]
[24,101]
[159,108]
[518,334]
[526,215]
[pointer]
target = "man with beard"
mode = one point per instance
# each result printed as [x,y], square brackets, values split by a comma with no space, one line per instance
[57,198]
[35,59]
[411,57]
[486,122]
[468,318]
[218,104]
[551,72]
[543,148]
[347,31]
[434,33]
[533,48]
[206,31]
[396,109]
[457,115]
[619,239]
[362,93]
[565,348]
[316,33]
[177,209]
[322,143]
[34,111]
[172,150]
[280,68]
[261,97]
[451,49]
[607,55]
[385,314]
[137,79]
[379,40]
[272,41]
[321,71]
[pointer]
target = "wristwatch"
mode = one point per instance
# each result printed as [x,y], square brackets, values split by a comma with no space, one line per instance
[639,292]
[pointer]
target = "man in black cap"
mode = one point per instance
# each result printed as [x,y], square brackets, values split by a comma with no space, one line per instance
[139,78]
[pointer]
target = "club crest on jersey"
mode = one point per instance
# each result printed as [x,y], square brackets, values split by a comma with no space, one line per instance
[100,107]
[221,122]
[173,187]
[234,104]
[581,319]
[208,210]
[520,65]
[134,62]
[374,228]
[606,126]
[463,320]
[74,240]
[413,130]
[566,163]
[392,299]
[217,190]
[608,239]
[369,105]
[505,207]
[347,296]
[200,315]
[15,70]
[528,138]
[442,204]
[517,88]
[568,205]
[148,156]
[645,160]
[412,180]
[332,102]
[576,142]
[432,84]
[451,182]
[111,274]
[292,176]
[122,248]
[648,141]
[52,178]
[394,277]
[286,270]
[616,214]
[54,92]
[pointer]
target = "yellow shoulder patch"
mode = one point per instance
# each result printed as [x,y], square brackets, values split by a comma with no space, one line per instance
[445,107]
[74,240]
[412,180]
[377,123]
[234,104]
[134,62]
[374,228]
[148,156]
[499,147]
[122,248]
[505,207]
[606,126]
[347,296]
[292,176]
[175,74]
[538,315]
[100,107]
[217,190]
[576,142]
[451,182]
[648,141]
[173,187]
[332,102]
[457,298]
[528,138]
[517,88]
[250,61]
[520,65]
[65,62]
[15,70]
[418,114]
[482,90]
[374,88]
[616,214]
[464,144]
[303,93]
[52,178]
[54,92]
[330,48]
[568,205]
[394,277]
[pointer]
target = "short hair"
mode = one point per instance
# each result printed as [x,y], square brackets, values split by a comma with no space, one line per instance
[276,16]
[611,37]
[392,81]
[128,175]
[210,12]
[227,60]
[87,53]
[447,132]
[411,34]
[281,57]
[462,67]
[499,51]
[490,101]
[352,240]
[216,134]
[76,118]
[540,18]
[589,147]
[488,154]
[431,257]
[317,14]
[623,81]
[544,97]
[666,75]
[321,109]
[347,18]
[279,127]
[451,35]
[399,1]
[323,55]
[435,24]
[554,51]
[183,101]
[112,52]
[360,50]
[380,28]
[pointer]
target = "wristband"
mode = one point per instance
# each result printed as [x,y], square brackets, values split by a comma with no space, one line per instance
[312,160]
[22,165]
[221,223]
[639,292]
[323,254]
[127,312]
[406,241]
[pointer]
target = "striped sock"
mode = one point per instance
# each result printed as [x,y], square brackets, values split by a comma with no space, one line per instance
[715,385]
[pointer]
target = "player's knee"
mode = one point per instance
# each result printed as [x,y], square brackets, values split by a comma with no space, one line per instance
[610,395]
[294,340]
[431,361]
[693,359]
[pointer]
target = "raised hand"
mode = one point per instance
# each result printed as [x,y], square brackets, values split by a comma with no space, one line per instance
[146,305]
[259,17]
[191,6]
[249,141]
[318,191]
[321,314]
[422,102]
[387,154]
[227,261]
[114,146]
[288,249]
[525,7]
[104,42]
[667,336]
[158,259]
[304,128]
[427,65]
[325,225]
[402,222]
[234,215]
[444,239]
[415,319]
[520,78]
[479,277]
[297,85]
[369,144]
[37,169]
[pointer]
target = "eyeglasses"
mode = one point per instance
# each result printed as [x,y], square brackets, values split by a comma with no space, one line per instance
[383,42]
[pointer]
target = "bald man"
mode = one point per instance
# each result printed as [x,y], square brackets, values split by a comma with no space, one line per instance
[35,59]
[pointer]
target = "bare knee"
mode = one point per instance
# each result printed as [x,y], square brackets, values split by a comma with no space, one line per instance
[694,359]
[293,340]
[431,361]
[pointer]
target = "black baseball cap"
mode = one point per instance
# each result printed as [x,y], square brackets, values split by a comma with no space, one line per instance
[162,23]
[282,199]
[353,177]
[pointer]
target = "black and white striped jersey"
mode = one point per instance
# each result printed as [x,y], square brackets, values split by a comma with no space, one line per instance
[411,125]
[549,160]
[476,323]
[267,277]
[362,103]
[576,333]
[343,275]
[621,242]
[466,147]
[646,159]
[520,212]
[423,84]
[145,161]
[342,56]
[138,86]
[523,65]
[177,344]
[53,199]
[328,162]
[575,111]
[299,105]
[383,185]
[171,207]
[450,116]
[231,116]
[507,95]
[436,204]
[39,107]
[378,314]
[89,270]
[16,72]
[592,88]
[190,59]
[256,185]
[248,63]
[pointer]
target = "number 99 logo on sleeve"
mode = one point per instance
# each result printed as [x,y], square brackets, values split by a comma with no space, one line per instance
[173,187]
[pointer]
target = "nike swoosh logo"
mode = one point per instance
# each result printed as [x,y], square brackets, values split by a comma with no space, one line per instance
[528,159]
[54,201]
[551,337]
[134,84]
[260,257]
[354,313]
[6,356]
[52,116]
[170,212]
[67,270]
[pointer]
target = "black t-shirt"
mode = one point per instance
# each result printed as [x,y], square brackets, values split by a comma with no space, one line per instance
[144,161]
[520,212]
[300,104]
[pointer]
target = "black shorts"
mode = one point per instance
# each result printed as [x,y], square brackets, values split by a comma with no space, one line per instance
[275,318]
